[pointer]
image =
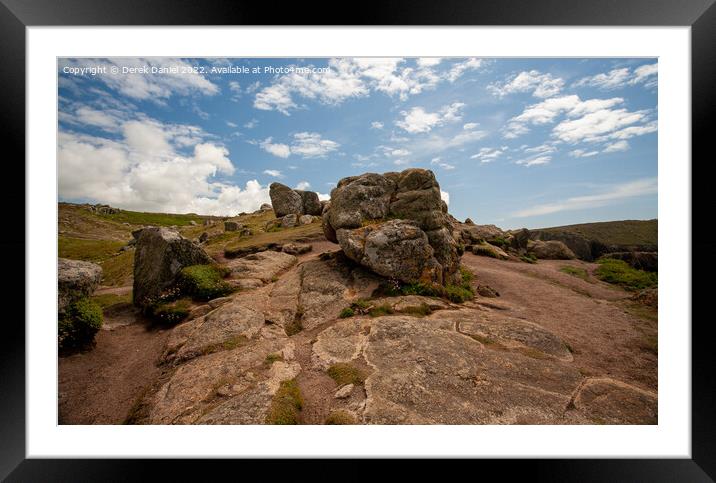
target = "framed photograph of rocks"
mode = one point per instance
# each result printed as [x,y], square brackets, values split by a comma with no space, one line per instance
[437,228]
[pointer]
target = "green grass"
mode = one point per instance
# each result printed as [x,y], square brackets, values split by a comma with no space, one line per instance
[381,310]
[171,312]
[454,293]
[273,357]
[529,258]
[485,250]
[79,324]
[108,300]
[340,417]
[344,373]
[346,312]
[204,282]
[90,250]
[575,272]
[619,272]
[286,404]
[421,310]
[161,219]
[118,271]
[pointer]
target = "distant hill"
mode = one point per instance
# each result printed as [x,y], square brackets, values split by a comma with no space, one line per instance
[591,240]
[625,232]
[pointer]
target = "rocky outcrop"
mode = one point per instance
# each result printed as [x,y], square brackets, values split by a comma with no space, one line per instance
[160,255]
[580,245]
[75,279]
[232,226]
[311,203]
[550,250]
[284,200]
[395,249]
[395,225]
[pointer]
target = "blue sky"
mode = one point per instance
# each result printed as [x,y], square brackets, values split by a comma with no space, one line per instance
[514,142]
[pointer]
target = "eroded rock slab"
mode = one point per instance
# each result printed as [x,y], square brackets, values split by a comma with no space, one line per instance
[608,401]
[429,375]
[75,279]
[263,265]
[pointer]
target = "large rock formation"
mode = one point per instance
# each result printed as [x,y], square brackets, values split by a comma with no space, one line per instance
[160,255]
[394,224]
[75,279]
[311,203]
[286,201]
[550,250]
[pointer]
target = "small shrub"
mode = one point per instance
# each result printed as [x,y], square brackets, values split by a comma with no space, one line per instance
[204,282]
[79,324]
[421,310]
[273,357]
[286,404]
[344,373]
[499,241]
[529,258]
[380,310]
[340,417]
[346,312]
[485,250]
[459,294]
[620,273]
[171,312]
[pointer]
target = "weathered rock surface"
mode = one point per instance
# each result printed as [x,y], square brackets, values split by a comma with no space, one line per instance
[285,201]
[262,265]
[472,233]
[608,401]
[296,248]
[305,219]
[550,250]
[396,249]
[160,255]
[232,226]
[391,212]
[486,250]
[311,203]
[75,279]
[289,221]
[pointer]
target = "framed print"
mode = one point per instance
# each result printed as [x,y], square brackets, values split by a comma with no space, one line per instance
[438,230]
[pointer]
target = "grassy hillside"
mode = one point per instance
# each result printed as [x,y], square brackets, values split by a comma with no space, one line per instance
[626,232]
[85,235]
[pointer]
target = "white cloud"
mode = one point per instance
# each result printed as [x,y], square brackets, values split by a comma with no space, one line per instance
[376,125]
[581,153]
[106,120]
[347,78]
[273,172]
[400,152]
[616,147]
[614,194]
[445,196]
[148,169]
[138,84]
[428,61]
[487,155]
[251,124]
[311,145]
[277,149]
[542,148]
[470,126]
[439,162]
[541,85]
[417,120]
[593,120]
[460,68]
[621,77]
[303,185]
[231,124]
[534,161]
[235,87]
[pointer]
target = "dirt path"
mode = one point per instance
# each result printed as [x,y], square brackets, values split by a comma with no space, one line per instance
[101,386]
[591,316]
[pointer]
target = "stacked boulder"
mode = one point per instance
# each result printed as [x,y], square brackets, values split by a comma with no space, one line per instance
[286,201]
[396,225]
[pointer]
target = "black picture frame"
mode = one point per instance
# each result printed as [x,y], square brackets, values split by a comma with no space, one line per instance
[700,15]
